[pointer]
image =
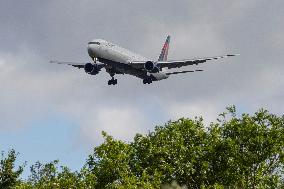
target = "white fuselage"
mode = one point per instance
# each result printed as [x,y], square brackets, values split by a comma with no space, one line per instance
[103,49]
[99,48]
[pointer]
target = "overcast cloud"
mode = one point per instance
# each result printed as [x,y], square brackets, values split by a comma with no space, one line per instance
[33,92]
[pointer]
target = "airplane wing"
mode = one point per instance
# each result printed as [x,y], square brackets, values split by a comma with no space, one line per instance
[181,63]
[75,64]
[142,74]
[171,73]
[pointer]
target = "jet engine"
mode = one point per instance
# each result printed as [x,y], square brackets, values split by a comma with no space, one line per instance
[92,69]
[151,67]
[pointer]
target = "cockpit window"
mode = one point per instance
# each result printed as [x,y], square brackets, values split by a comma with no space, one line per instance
[95,43]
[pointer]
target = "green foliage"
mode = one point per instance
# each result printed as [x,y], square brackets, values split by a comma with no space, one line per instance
[252,150]
[244,151]
[9,176]
[111,165]
[50,176]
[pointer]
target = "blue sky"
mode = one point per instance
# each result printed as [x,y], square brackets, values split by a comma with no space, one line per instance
[50,112]
[44,140]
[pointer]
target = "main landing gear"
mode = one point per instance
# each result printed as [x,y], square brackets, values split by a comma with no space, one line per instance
[112,81]
[147,81]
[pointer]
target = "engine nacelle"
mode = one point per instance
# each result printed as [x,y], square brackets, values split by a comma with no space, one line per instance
[91,69]
[151,67]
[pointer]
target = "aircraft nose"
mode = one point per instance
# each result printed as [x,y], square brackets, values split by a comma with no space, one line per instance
[90,51]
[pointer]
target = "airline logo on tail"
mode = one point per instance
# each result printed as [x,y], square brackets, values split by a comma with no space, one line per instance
[164,53]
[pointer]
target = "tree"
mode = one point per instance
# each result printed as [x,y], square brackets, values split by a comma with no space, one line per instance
[9,176]
[244,152]
[252,148]
[51,176]
[111,166]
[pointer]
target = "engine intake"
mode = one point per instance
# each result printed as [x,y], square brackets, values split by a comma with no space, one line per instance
[151,67]
[92,69]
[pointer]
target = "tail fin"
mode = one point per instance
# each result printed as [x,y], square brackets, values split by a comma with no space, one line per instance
[164,53]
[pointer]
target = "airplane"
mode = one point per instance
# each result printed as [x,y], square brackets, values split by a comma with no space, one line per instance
[117,60]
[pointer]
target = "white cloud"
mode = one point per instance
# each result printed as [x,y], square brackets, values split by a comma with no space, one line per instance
[121,122]
[28,95]
[30,87]
[204,109]
[28,90]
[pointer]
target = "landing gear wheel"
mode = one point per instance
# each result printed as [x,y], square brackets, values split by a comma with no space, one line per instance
[112,82]
[109,82]
[147,81]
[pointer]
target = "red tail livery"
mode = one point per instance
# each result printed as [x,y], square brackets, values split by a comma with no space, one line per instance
[164,53]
